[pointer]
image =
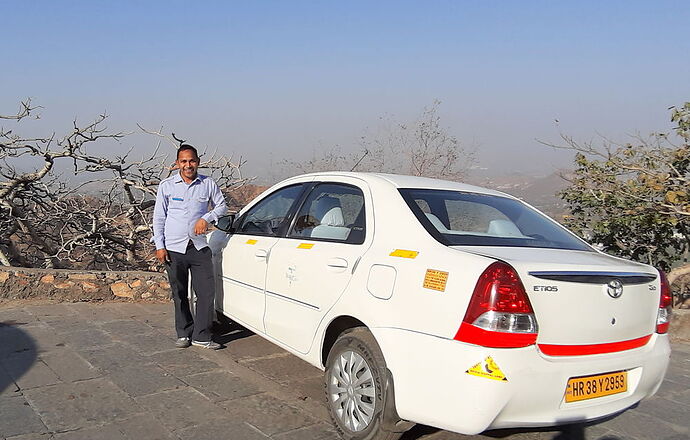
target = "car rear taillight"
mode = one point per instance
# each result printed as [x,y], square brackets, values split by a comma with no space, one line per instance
[663,317]
[499,313]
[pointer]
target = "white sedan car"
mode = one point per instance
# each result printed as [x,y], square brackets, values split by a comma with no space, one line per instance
[434,302]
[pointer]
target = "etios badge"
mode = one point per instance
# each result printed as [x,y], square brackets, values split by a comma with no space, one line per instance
[615,288]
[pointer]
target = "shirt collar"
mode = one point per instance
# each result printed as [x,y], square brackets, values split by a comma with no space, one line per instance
[178,178]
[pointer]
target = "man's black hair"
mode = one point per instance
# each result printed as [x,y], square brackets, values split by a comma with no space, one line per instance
[184,147]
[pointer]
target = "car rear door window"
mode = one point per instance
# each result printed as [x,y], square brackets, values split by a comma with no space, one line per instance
[331,212]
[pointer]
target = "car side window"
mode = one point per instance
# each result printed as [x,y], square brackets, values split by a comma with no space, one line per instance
[332,212]
[270,215]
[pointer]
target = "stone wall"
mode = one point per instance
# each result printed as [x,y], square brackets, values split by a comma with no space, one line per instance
[79,285]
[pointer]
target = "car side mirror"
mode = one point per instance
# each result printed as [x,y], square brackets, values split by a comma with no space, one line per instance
[225,223]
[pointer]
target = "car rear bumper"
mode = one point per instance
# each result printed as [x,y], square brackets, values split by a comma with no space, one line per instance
[433,386]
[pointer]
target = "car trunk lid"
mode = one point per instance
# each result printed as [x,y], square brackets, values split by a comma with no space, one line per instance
[584,298]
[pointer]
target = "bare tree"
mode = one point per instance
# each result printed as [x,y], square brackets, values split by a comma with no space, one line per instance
[422,147]
[48,221]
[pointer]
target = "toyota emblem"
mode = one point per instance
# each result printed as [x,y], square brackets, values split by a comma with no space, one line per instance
[615,288]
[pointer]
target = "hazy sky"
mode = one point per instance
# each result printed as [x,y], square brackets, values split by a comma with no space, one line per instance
[270,80]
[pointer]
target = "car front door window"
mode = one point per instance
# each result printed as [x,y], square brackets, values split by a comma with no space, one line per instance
[269,216]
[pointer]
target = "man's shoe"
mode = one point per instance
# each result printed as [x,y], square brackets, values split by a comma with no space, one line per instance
[182,342]
[207,344]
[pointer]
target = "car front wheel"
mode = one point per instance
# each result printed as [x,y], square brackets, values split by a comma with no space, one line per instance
[355,377]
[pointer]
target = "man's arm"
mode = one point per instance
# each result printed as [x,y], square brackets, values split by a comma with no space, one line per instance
[160,212]
[219,205]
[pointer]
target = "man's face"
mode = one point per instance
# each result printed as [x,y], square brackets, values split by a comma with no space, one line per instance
[188,163]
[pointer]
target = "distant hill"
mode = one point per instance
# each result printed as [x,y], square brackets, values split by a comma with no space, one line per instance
[538,191]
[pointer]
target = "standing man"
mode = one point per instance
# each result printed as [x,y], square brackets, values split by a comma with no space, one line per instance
[185,204]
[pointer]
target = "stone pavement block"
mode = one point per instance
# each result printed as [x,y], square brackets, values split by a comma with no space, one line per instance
[268,414]
[636,425]
[312,388]
[81,404]
[221,385]
[150,343]
[95,313]
[252,347]
[683,398]
[126,329]
[45,338]
[17,417]
[46,436]
[130,310]
[17,316]
[141,380]
[181,408]
[320,431]
[136,428]
[182,362]
[114,357]
[48,310]
[230,429]
[15,340]
[88,339]
[106,432]
[69,366]
[289,369]
[7,386]
[28,371]
[146,310]
[68,324]
[160,322]
[669,411]
[144,427]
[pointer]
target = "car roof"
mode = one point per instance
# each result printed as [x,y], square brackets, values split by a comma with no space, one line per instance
[403,181]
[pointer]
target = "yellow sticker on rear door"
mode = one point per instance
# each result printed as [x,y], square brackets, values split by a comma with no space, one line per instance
[435,280]
[305,245]
[404,253]
[487,369]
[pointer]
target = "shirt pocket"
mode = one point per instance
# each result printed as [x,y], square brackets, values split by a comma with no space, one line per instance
[175,203]
[202,203]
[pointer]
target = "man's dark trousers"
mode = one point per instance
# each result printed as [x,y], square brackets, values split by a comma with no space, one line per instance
[201,266]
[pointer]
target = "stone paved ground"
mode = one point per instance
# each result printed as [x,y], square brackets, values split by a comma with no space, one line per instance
[108,371]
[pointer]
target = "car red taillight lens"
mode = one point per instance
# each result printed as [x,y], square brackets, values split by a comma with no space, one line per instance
[663,317]
[499,313]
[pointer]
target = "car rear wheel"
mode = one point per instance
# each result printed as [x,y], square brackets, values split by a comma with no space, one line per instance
[356,375]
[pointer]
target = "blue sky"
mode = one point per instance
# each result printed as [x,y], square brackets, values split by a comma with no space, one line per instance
[270,80]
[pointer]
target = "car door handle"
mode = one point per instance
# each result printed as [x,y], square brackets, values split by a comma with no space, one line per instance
[261,253]
[337,262]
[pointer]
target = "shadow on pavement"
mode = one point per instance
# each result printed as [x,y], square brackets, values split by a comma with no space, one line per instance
[227,331]
[565,432]
[18,353]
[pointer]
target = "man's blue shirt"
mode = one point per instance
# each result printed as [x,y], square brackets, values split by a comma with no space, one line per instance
[178,207]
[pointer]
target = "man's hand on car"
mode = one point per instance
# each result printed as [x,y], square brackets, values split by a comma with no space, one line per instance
[201,227]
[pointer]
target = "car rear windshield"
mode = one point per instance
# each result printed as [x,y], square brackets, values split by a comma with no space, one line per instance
[469,219]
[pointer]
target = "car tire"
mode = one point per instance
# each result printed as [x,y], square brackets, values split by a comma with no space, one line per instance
[357,411]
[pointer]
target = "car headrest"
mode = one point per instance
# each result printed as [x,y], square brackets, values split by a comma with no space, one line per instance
[504,228]
[334,217]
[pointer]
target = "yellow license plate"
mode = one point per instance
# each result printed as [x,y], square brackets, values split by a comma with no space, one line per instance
[590,387]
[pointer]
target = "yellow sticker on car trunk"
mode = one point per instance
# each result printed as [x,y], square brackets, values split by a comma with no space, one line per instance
[435,280]
[487,369]
[403,253]
[250,241]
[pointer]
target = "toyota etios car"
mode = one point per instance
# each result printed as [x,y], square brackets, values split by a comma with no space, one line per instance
[434,302]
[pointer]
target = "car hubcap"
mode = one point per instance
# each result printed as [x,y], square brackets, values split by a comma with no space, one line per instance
[351,391]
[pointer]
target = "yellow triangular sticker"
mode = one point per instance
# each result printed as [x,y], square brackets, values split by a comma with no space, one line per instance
[488,369]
